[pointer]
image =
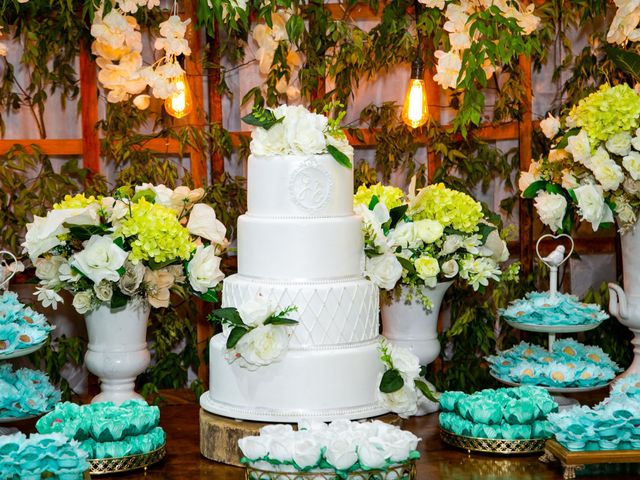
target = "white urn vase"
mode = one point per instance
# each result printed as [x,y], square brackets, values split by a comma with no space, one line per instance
[625,304]
[117,352]
[408,324]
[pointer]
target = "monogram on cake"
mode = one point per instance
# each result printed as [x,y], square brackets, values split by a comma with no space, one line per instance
[299,245]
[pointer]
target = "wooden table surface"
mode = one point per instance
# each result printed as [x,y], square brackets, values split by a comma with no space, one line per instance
[438,461]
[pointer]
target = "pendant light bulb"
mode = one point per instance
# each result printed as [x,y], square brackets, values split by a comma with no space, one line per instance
[415,111]
[180,103]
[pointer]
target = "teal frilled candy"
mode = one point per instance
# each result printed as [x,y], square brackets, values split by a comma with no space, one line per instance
[628,386]
[449,400]
[464,406]
[445,419]
[525,372]
[569,349]
[515,432]
[559,375]
[461,426]
[8,338]
[477,430]
[541,429]
[487,412]
[520,411]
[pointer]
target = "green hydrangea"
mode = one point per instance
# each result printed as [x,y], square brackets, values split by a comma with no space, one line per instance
[391,196]
[77,201]
[155,234]
[608,111]
[449,207]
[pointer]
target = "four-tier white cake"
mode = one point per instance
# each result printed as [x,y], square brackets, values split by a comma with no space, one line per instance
[300,244]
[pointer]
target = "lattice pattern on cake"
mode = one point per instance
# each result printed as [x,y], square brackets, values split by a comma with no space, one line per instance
[333,313]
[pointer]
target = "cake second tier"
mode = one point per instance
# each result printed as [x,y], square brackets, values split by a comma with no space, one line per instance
[329,313]
[300,249]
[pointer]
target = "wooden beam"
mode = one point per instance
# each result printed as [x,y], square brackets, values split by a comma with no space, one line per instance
[194,75]
[525,132]
[58,147]
[359,12]
[89,110]
[215,100]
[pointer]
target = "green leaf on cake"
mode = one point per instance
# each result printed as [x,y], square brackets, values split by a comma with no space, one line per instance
[339,157]
[425,390]
[391,381]
[236,334]
[280,321]
[227,315]
[261,117]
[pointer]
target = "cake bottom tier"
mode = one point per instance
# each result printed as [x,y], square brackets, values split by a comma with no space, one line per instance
[324,385]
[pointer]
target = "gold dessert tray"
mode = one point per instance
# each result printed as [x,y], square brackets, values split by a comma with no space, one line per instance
[575,460]
[493,445]
[404,471]
[104,466]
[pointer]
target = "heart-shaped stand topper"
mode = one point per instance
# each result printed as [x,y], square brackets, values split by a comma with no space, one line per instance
[559,255]
[8,268]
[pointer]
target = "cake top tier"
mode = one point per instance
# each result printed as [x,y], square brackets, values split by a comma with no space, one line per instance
[300,165]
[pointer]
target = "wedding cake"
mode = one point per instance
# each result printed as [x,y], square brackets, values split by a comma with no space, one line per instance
[300,245]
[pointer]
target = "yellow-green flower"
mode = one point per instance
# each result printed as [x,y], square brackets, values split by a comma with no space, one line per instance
[608,111]
[155,234]
[77,201]
[391,197]
[449,207]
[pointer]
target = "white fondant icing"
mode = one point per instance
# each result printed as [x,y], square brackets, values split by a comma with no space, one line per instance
[289,249]
[323,384]
[299,186]
[329,313]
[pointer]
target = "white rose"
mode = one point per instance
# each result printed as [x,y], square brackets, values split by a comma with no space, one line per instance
[398,444]
[42,234]
[281,449]
[619,144]
[305,130]
[341,454]
[255,311]
[183,197]
[47,270]
[269,142]
[439,4]
[550,126]
[404,235]
[132,278]
[625,212]
[68,274]
[632,187]
[558,155]
[306,451]
[342,144]
[158,285]
[607,172]
[569,181]
[497,246]
[372,223]
[204,269]
[427,269]
[278,430]
[592,207]
[405,361]
[551,208]
[404,402]
[371,454]
[100,259]
[428,230]
[635,141]
[162,192]
[579,146]
[203,223]
[263,345]
[451,244]
[254,447]
[525,179]
[450,268]
[83,301]
[84,216]
[632,163]
[103,290]
[384,270]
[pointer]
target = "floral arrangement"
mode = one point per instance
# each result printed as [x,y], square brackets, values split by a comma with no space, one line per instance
[138,244]
[624,26]
[342,446]
[256,335]
[295,130]
[402,380]
[274,40]
[460,17]
[593,169]
[118,48]
[435,235]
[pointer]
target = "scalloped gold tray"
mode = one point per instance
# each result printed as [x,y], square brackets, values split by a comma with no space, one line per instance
[489,445]
[104,466]
[404,471]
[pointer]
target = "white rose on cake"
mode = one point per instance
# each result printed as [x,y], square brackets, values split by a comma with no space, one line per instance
[269,142]
[100,260]
[255,311]
[405,361]
[304,130]
[404,401]
[262,346]
[204,269]
[341,143]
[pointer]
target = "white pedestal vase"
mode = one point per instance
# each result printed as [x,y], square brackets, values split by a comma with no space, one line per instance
[625,304]
[117,351]
[407,324]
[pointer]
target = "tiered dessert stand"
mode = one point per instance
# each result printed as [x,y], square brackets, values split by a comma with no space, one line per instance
[554,260]
[4,283]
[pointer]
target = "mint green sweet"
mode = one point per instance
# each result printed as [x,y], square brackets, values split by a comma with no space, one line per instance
[486,411]
[449,400]
[520,411]
[516,432]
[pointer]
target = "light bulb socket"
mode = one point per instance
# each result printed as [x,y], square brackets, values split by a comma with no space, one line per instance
[417,69]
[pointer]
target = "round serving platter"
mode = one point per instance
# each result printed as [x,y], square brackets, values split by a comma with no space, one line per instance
[553,389]
[104,466]
[499,446]
[553,329]
[22,351]
[404,471]
[19,419]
